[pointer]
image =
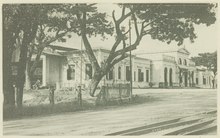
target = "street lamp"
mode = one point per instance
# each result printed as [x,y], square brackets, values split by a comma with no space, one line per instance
[130,59]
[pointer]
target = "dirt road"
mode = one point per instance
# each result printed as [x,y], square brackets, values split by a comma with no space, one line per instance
[169,104]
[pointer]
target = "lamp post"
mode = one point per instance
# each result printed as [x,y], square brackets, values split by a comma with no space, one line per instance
[80,86]
[130,60]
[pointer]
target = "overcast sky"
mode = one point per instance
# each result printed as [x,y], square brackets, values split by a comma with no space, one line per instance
[206,40]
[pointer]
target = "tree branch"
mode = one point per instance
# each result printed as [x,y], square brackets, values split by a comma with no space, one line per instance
[135,25]
[123,11]
[57,37]
[118,60]
[86,42]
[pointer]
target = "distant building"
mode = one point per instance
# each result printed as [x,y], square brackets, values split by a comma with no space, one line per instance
[175,69]
[62,66]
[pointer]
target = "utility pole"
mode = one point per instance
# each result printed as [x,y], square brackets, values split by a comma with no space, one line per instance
[80,86]
[130,60]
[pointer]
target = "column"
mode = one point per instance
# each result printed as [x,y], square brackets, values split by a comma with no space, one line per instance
[44,70]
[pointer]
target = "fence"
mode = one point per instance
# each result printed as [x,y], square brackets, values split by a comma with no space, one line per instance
[167,85]
[118,92]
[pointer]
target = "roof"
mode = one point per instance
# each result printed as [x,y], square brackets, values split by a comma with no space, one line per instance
[184,51]
[51,53]
[142,58]
[62,48]
[102,50]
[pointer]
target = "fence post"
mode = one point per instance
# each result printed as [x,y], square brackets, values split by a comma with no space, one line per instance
[51,94]
[80,96]
[129,91]
[120,88]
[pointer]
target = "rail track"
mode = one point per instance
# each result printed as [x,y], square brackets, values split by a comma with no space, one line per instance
[198,124]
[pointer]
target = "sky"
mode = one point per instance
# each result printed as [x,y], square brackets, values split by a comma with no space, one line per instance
[206,41]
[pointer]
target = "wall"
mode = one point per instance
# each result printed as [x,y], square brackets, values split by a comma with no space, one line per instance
[53,69]
[75,59]
[208,75]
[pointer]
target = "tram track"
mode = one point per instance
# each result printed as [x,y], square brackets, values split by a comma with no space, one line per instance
[196,124]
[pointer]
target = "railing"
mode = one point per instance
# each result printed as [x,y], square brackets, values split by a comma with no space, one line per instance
[118,92]
[167,85]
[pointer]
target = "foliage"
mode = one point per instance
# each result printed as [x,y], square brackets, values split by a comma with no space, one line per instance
[164,22]
[174,22]
[151,84]
[208,60]
[38,25]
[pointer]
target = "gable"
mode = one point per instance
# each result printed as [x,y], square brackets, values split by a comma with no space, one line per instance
[183,51]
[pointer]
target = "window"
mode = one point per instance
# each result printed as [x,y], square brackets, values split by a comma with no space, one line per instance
[119,73]
[180,61]
[147,75]
[135,76]
[197,81]
[180,76]
[185,62]
[109,76]
[14,70]
[165,76]
[140,76]
[204,80]
[88,71]
[127,73]
[71,72]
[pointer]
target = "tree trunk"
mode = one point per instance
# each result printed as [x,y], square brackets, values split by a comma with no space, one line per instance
[28,76]
[214,83]
[93,86]
[27,79]
[8,89]
[98,75]
[21,70]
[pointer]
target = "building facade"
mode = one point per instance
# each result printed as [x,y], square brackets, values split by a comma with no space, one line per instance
[79,70]
[66,67]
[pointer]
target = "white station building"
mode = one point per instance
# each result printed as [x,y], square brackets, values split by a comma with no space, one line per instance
[62,66]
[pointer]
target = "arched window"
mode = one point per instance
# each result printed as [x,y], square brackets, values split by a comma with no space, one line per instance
[88,71]
[127,73]
[165,76]
[119,72]
[140,76]
[180,61]
[147,75]
[109,75]
[204,80]
[171,77]
[185,62]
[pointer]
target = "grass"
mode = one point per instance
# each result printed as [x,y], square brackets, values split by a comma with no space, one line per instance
[10,113]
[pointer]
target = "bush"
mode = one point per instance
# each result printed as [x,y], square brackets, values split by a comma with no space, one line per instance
[151,84]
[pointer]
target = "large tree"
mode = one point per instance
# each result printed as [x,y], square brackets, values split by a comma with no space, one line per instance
[54,26]
[28,22]
[30,28]
[209,60]
[21,23]
[10,35]
[164,22]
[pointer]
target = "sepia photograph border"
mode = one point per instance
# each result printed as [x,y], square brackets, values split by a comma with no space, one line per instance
[114,1]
